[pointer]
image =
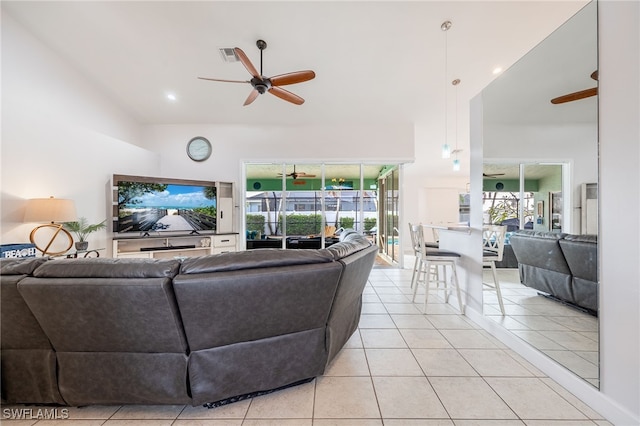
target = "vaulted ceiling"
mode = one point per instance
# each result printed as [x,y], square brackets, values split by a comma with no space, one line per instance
[375,62]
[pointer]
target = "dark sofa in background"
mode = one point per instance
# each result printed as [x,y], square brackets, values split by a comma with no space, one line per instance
[563,265]
[159,331]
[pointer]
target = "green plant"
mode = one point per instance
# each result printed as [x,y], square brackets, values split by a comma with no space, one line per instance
[82,229]
[369,222]
[255,222]
[301,224]
[346,222]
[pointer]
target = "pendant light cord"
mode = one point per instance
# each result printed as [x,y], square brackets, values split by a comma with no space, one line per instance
[446,72]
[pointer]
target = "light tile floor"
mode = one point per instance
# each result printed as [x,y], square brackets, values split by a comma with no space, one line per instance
[401,367]
[565,334]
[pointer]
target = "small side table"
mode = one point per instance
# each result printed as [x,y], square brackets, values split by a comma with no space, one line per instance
[82,253]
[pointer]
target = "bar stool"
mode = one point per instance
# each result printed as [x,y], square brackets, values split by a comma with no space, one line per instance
[427,261]
[416,246]
[493,237]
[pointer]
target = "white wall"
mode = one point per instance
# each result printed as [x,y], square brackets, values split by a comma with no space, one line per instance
[234,144]
[619,240]
[429,196]
[619,100]
[60,136]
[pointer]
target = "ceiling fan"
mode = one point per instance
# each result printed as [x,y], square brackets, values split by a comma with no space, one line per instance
[578,95]
[296,175]
[492,175]
[262,84]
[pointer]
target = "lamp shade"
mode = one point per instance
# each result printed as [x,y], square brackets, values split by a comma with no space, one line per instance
[50,210]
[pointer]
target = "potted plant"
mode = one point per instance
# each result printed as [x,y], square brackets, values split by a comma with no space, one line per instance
[82,229]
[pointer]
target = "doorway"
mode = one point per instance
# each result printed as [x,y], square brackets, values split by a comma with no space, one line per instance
[307,205]
[388,216]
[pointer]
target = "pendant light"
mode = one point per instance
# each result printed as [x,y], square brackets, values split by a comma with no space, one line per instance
[456,161]
[446,149]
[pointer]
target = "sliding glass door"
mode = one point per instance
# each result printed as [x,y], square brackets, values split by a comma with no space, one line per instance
[525,196]
[388,215]
[307,205]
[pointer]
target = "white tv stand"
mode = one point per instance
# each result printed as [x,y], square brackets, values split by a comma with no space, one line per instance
[177,246]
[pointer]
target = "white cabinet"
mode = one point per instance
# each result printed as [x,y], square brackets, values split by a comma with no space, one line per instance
[172,247]
[223,243]
[589,207]
[225,207]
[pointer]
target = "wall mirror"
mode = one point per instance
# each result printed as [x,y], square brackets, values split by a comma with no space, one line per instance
[540,173]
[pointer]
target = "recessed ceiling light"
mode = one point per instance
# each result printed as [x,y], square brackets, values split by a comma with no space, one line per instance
[497,70]
[171,96]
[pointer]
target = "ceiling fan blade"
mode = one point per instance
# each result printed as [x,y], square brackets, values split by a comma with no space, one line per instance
[247,63]
[292,78]
[224,81]
[252,97]
[286,95]
[575,96]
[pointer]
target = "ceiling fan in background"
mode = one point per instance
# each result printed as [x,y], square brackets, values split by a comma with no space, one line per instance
[262,84]
[578,95]
[296,175]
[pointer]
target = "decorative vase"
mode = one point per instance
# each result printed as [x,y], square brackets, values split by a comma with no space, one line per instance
[82,245]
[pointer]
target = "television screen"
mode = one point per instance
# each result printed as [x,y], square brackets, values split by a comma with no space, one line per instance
[165,205]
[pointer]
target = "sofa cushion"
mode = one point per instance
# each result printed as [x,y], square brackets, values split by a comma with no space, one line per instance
[582,238]
[20,266]
[581,253]
[107,378]
[349,244]
[347,304]
[225,307]
[227,371]
[108,268]
[540,249]
[28,361]
[30,376]
[81,314]
[19,328]
[258,258]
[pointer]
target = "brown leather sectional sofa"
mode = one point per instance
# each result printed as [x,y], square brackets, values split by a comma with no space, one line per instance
[202,330]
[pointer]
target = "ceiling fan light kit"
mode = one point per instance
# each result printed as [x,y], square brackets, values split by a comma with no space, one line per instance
[262,84]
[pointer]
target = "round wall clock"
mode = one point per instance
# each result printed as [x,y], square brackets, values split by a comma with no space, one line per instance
[199,148]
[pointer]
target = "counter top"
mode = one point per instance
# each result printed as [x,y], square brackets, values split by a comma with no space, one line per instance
[449,227]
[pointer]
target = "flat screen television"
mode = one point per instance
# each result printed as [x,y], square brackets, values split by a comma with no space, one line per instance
[150,205]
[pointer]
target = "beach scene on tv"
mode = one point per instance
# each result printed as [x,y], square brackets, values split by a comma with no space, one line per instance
[158,207]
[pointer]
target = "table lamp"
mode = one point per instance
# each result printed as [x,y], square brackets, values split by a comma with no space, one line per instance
[55,211]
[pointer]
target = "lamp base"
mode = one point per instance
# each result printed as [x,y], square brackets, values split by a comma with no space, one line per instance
[59,232]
